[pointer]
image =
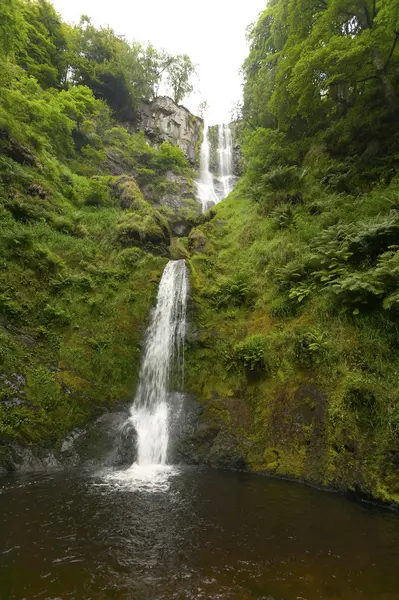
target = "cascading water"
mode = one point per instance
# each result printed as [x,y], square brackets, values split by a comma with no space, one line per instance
[205,185]
[150,413]
[225,156]
[211,189]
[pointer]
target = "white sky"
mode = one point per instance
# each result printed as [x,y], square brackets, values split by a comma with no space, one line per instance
[211,32]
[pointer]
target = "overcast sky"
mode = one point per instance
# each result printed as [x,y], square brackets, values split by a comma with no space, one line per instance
[211,32]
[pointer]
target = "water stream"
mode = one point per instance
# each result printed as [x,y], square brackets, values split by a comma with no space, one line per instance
[206,185]
[212,189]
[150,413]
[225,158]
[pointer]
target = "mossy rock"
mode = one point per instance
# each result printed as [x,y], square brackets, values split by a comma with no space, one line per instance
[197,242]
[125,188]
[179,249]
[142,230]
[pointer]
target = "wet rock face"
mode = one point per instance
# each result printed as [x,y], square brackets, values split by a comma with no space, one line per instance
[204,439]
[110,441]
[162,120]
[23,459]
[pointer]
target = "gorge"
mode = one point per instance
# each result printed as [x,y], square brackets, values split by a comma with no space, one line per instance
[199,341]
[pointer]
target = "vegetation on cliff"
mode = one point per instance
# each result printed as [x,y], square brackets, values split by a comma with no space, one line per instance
[296,275]
[83,243]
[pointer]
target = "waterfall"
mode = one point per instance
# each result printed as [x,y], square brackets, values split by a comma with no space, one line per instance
[205,185]
[210,189]
[225,156]
[150,413]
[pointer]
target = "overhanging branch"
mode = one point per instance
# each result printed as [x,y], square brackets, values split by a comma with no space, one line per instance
[392,50]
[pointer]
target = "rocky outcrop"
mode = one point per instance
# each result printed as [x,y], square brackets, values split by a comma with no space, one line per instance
[238,167]
[162,120]
[110,441]
[12,148]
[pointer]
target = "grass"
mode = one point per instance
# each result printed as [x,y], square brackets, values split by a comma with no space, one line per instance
[322,391]
[81,254]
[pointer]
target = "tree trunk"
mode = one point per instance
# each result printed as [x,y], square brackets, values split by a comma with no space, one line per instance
[367,22]
[389,90]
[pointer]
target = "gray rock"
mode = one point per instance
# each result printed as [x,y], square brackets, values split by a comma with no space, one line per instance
[163,120]
[109,441]
[183,428]
[15,150]
[23,459]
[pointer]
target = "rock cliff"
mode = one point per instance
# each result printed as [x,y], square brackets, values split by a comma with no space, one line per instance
[163,120]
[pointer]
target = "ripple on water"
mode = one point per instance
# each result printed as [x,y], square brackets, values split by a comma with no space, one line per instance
[143,478]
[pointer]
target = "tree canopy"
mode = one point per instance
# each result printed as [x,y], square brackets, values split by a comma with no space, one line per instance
[60,55]
[326,68]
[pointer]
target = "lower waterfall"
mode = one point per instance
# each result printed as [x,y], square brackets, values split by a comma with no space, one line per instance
[164,355]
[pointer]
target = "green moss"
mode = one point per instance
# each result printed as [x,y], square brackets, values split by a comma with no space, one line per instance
[324,410]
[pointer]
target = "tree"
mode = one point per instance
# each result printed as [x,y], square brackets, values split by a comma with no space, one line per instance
[179,73]
[43,54]
[156,63]
[120,73]
[116,71]
[203,107]
[12,27]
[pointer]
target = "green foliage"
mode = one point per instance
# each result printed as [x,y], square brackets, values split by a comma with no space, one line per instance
[179,74]
[325,73]
[79,251]
[319,382]
[282,178]
[311,347]
[43,55]
[247,356]
[231,293]
[13,29]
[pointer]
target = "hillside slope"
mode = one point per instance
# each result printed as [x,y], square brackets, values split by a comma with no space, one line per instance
[296,275]
[88,214]
[297,375]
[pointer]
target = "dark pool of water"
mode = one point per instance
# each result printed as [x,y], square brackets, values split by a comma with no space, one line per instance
[194,534]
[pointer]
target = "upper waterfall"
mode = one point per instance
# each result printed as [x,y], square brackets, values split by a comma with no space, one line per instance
[150,413]
[205,185]
[225,158]
[213,188]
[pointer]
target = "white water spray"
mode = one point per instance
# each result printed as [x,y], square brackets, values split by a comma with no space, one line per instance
[225,156]
[211,189]
[150,413]
[205,185]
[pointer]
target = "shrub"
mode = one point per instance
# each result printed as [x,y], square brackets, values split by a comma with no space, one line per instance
[231,293]
[247,356]
[282,178]
[130,256]
[282,216]
[359,397]
[311,347]
[97,194]
[171,157]
[56,316]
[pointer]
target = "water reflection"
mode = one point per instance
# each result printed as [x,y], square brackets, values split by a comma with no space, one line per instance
[182,534]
